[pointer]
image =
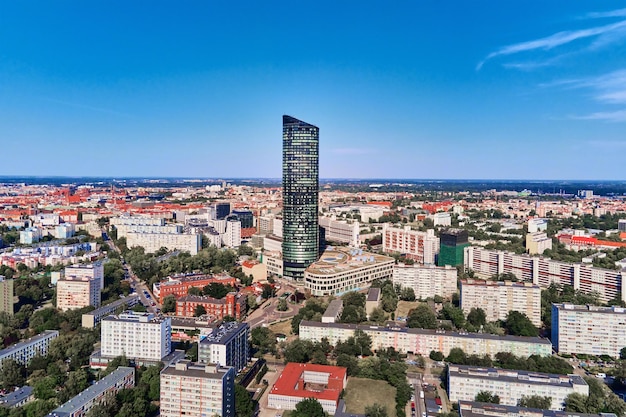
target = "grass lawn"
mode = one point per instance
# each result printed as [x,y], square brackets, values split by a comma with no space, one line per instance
[362,392]
[404,307]
[283,327]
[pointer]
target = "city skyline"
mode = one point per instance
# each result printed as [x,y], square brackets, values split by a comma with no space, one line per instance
[493,91]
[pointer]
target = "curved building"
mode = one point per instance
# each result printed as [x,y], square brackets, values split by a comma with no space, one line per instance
[300,196]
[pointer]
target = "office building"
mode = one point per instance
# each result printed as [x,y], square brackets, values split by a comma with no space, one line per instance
[138,336]
[300,197]
[227,345]
[621,225]
[299,381]
[179,285]
[24,351]
[194,390]
[93,318]
[246,217]
[341,269]
[423,341]
[497,298]
[537,243]
[452,245]
[340,231]
[98,393]
[6,295]
[544,271]
[464,382]
[222,210]
[588,329]
[475,409]
[422,247]
[426,280]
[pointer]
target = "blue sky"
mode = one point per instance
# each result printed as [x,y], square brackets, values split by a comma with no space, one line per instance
[405,89]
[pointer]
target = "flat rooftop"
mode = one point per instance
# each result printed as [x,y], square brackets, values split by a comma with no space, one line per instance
[18,346]
[591,309]
[515,376]
[476,409]
[337,260]
[224,332]
[289,382]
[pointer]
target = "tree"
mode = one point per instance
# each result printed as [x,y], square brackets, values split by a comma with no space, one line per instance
[263,339]
[535,401]
[244,405]
[422,317]
[349,362]
[576,402]
[622,353]
[477,317]
[13,374]
[353,314]
[169,304]
[518,324]
[282,305]
[299,351]
[436,356]
[194,291]
[454,314]
[407,294]
[199,311]
[378,315]
[457,356]
[309,407]
[268,291]
[487,397]
[376,410]
[216,290]
[353,298]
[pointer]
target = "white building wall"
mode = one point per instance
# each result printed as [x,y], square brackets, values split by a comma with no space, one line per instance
[426,280]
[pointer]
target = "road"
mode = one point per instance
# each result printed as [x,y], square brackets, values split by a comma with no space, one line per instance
[267,313]
[136,284]
[418,393]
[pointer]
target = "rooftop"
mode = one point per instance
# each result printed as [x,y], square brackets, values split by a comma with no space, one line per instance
[476,409]
[489,283]
[291,381]
[16,396]
[136,317]
[524,377]
[334,308]
[18,346]
[224,332]
[590,308]
[188,369]
[336,260]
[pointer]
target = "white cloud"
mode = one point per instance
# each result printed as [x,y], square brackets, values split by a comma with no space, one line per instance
[613,116]
[558,39]
[612,13]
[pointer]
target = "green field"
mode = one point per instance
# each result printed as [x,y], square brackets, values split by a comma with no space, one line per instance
[362,392]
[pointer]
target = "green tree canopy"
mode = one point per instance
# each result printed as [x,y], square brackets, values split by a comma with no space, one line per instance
[487,397]
[518,324]
[309,407]
[422,317]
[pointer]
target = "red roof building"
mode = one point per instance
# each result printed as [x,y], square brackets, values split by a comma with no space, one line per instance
[179,286]
[217,309]
[300,381]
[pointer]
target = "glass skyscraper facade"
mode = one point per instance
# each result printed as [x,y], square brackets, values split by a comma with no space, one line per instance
[300,196]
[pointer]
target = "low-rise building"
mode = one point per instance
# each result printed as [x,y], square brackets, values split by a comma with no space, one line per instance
[423,341]
[227,345]
[122,378]
[299,381]
[192,390]
[179,285]
[464,382]
[333,311]
[17,398]
[24,351]
[372,301]
[588,329]
[93,318]
[340,270]
[230,306]
[426,281]
[497,298]
[475,409]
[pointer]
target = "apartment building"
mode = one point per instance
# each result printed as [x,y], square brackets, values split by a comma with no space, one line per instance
[24,351]
[422,247]
[340,270]
[193,390]
[6,295]
[340,231]
[475,409]
[423,341]
[497,298]
[588,329]
[93,318]
[544,271]
[76,292]
[122,378]
[232,235]
[138,336]
[152,242]
[227,345]
[537,243]
[426,280]
[464,382]
[93,271]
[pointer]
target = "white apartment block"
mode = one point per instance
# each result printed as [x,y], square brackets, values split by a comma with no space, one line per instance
[124,229]
[23,352]
[138,336]
[588,329]
[190,390]
[426,280]
[442,219]
[152,242]
[422,247]
[227,345]
[214,238]
[94,272]
[338,271]
[277,228]
[232,236]
[266,224]
[218,225]
[98,393]
[273,262]
[464,382]
[30,235]
[73,293]
[423,341]
[544,271]
[137,221]
[341,231]
[497,298]
[537,225]
[537,243]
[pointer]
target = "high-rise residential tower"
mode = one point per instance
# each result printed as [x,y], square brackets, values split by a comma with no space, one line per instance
[300,196]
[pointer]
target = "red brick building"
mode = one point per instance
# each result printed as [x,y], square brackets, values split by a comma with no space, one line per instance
[231,305]
[178,285]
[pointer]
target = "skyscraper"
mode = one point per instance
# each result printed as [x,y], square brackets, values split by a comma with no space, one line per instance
[300,196]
